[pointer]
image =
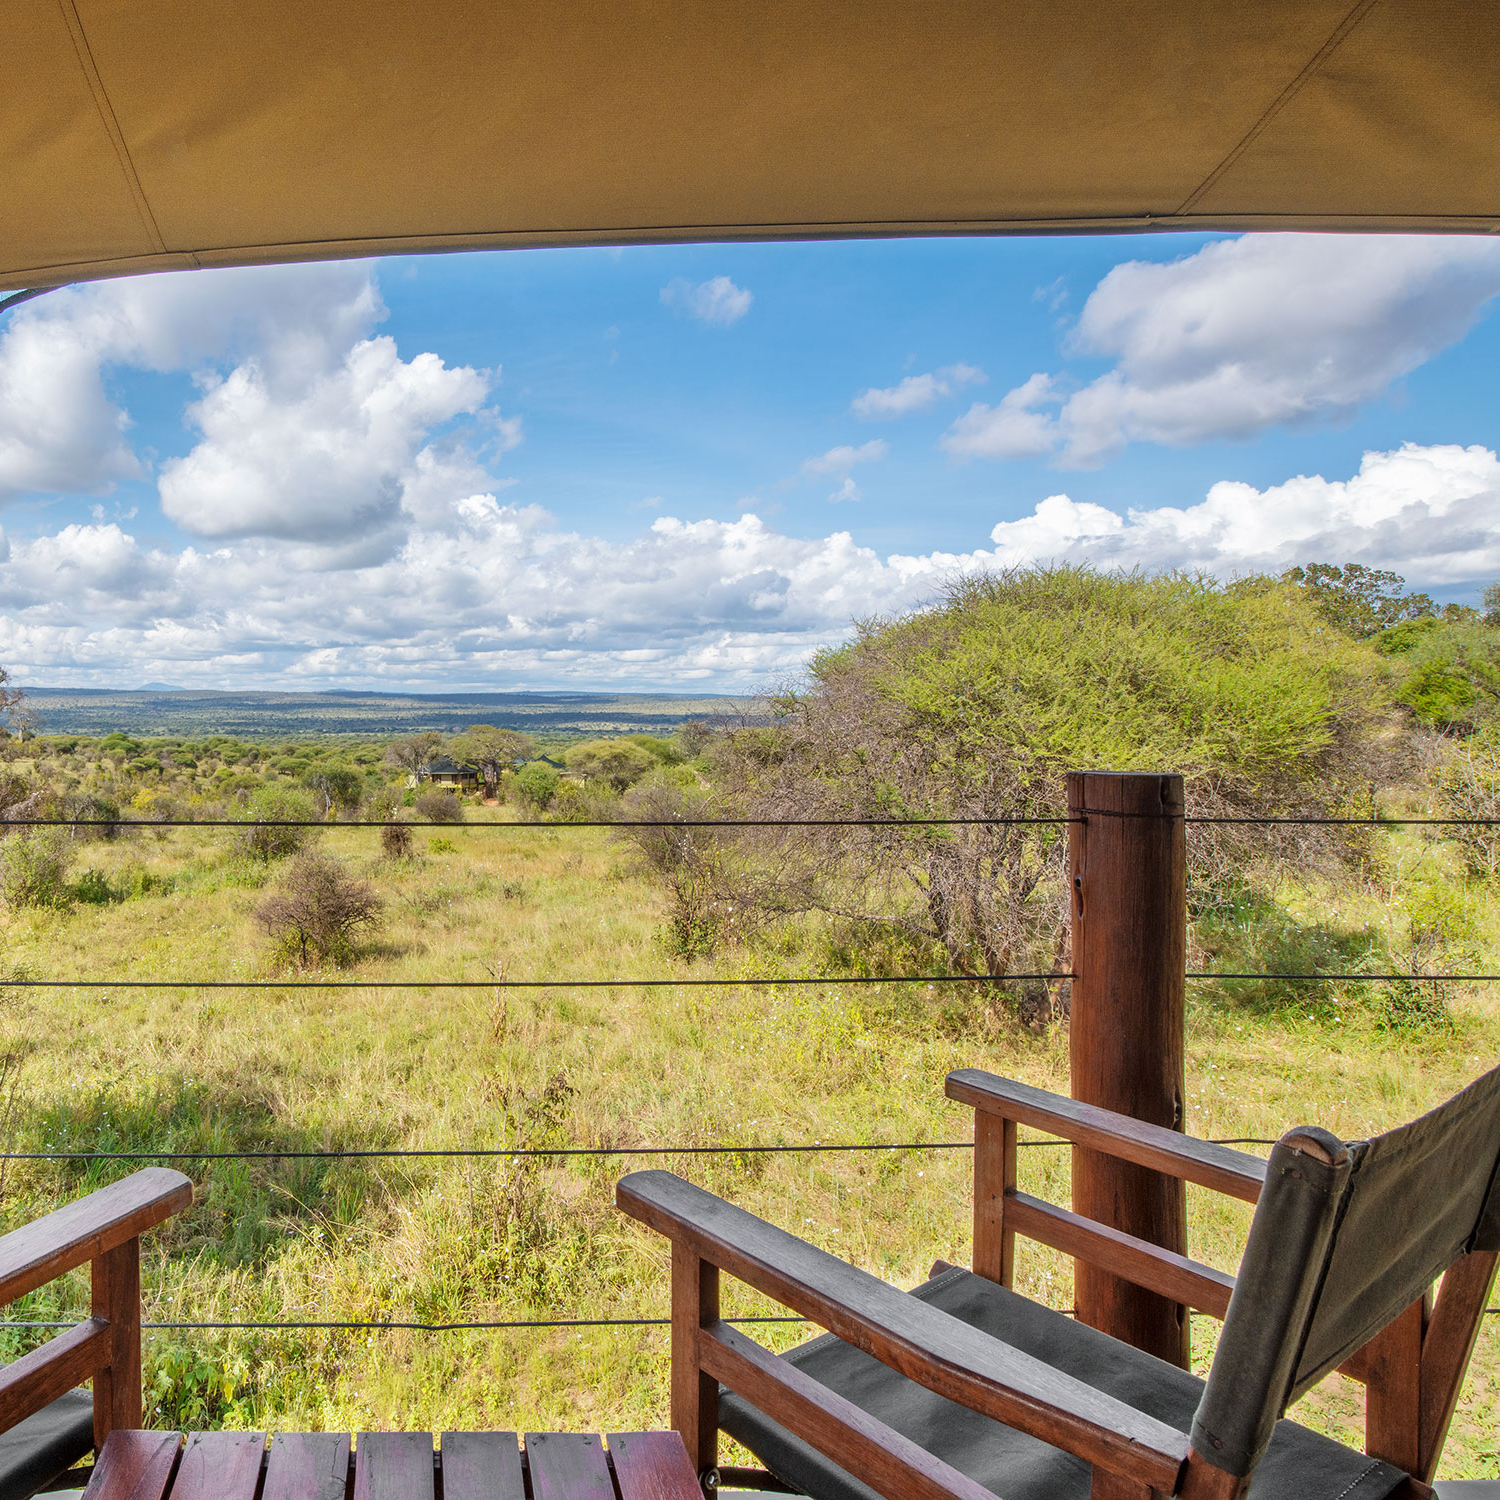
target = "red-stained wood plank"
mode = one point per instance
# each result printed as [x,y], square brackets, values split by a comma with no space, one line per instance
[36,1379]
[652,1466]
[568,1466]
[307,1466]
[483,1466]
[220,1466]
[88,1227]
[134,1465]
[393,1466]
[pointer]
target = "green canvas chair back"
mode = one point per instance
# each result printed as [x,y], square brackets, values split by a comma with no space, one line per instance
[1346,1235]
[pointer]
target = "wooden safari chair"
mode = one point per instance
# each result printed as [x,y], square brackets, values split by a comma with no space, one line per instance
[964,1390]
[46,1425]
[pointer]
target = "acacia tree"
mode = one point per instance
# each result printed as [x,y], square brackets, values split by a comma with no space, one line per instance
[335,786]
[976,707]
[621,763]
[415,752]
[490,751]
[1362,601]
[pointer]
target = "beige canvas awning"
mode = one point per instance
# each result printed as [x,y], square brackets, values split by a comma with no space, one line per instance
[138,135]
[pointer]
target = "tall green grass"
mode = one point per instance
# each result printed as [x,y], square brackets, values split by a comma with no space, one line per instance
[453,1240]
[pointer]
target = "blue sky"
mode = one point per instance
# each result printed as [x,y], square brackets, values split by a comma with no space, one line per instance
[687,467]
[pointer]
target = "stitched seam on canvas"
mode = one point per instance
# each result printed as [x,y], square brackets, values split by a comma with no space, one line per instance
[1355,1483]
[110,122]
[1284,98]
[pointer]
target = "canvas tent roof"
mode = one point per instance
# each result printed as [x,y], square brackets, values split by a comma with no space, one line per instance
[140,135]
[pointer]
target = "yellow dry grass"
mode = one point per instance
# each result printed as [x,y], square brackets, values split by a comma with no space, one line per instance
[456,1240]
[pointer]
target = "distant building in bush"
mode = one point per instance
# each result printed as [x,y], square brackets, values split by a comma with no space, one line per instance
[445,771]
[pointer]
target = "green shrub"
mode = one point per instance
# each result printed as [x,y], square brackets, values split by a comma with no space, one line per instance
[268,806]
[317,910]
[440,845]
[439,804]
[1469,787]
[536,785]
[396,841]
[585,802]
[34,865]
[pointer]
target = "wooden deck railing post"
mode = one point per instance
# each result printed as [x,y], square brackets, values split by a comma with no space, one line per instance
[117,1299]
[1128,868]
[695,1396]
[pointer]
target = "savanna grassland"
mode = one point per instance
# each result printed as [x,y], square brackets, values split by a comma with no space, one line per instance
[513,896]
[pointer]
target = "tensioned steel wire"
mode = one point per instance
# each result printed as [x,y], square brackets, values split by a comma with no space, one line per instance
[324,823]
[492,983]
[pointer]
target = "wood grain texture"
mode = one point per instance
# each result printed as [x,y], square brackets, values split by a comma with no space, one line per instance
[652,1466]
[1202,1481]
[482,1466]
[1127,1030]
[40,1377]
[1393,1393]
[889,1463]
[1221,1168]
[1174,1276]
[134,1465]
[994,1178]
[1106,1486]
[568,1466]
[117,1300]
[394,1466]
[1451,1335]
[80,1231]
[307,1466]
[220,1466]
[924,1343]
[695,1396]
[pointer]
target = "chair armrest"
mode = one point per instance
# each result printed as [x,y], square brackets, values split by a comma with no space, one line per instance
[87,1228]
[1236,1173]
[924,1343]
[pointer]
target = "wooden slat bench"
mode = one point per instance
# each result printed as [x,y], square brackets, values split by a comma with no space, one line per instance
[135,1465]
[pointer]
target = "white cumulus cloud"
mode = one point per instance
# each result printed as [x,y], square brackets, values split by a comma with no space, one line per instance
[488,594]
[311,427]
[1013,428]
[321,460]
[60,431]
[1250,333]
[843,458]
[718,301]
[1431,514]
[914,393]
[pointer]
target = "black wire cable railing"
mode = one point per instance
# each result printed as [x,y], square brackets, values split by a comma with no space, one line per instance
[495,983]
[556,826]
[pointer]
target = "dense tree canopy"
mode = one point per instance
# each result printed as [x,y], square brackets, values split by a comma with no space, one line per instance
[977,706]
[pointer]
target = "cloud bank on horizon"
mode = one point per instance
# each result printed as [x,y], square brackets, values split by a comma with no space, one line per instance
[336,515]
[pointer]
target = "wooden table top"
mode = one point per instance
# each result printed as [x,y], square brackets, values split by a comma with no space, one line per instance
[392,1466]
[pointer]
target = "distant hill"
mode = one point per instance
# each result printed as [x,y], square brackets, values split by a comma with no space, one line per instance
[189,713]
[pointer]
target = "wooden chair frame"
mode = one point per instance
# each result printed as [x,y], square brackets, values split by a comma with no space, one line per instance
[102,1230]
[1412,1370]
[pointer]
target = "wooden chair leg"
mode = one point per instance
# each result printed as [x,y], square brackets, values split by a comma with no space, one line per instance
[994,1176]
[1393,1390]
[1451,1335]
[117,1298]
[695,1396]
